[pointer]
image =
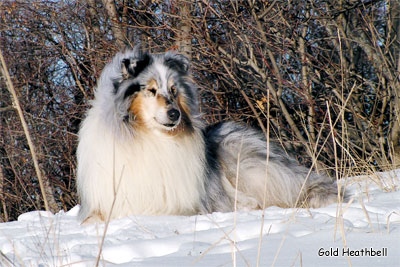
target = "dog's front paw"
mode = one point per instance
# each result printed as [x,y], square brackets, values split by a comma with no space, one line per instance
[94,217]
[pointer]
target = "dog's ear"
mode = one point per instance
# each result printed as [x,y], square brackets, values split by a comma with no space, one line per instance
[127,67]
[133,65]
[177,62]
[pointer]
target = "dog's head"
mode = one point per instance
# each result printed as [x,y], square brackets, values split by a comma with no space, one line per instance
[154,92]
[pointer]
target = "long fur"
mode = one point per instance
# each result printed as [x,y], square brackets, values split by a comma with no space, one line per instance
[143,149]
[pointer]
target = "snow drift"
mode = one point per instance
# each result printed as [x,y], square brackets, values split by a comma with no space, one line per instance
[337,235]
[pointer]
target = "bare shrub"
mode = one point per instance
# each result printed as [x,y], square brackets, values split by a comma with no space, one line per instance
[303,58]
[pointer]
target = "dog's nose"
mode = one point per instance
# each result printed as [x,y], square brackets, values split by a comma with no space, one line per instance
[173,114]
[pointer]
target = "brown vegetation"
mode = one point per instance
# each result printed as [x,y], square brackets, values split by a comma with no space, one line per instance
[312,70]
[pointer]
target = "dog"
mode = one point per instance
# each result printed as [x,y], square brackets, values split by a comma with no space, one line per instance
[144,150]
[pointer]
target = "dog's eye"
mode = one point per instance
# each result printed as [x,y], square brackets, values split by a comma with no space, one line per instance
[174,91]
[152,91]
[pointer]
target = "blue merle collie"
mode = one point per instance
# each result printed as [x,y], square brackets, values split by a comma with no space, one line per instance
[144,149]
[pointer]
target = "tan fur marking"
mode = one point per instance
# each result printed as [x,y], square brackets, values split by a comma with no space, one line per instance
[170,82]
[152,84]
[185,127]
[136,108]
[161,101]
[183,106]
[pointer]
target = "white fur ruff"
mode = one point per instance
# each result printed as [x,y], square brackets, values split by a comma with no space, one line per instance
[137,174]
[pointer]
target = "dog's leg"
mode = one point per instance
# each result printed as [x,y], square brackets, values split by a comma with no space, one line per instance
[243,201]
[320,193]
[94,217]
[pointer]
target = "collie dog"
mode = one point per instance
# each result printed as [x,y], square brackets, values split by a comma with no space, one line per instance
[144,149]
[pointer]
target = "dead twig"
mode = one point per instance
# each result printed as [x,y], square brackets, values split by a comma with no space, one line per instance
[17,106]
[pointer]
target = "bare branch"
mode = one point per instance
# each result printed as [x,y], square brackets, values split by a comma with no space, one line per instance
[17,106]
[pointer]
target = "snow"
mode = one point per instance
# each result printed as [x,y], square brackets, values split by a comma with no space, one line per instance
[290,237]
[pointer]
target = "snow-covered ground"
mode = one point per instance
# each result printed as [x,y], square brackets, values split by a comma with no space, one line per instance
[290,237]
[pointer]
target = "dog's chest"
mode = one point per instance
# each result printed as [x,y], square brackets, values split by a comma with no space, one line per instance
[167,172]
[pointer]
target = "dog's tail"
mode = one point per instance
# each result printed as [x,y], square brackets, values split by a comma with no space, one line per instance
[280,181]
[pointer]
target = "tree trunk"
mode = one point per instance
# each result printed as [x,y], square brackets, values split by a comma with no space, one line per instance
[394,35]
[184,41]
[94,17]
[115,25]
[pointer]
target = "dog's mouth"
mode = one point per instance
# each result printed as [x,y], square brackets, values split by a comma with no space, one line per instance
[169,126]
